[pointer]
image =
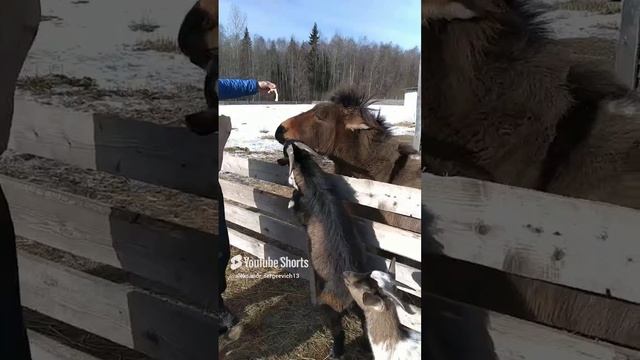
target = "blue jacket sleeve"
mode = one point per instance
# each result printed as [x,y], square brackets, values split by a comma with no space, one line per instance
[235,88]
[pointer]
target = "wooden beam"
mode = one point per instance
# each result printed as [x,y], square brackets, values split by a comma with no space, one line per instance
[169,156]
[385,237]
[459,331]
[398,199]
[159,328]
[576,243]
[626,66]
[46,348]
[178,256]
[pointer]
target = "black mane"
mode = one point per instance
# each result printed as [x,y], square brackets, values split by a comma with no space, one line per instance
[351,98]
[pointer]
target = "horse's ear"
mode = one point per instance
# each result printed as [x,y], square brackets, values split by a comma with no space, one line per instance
[356,121]
[372,301]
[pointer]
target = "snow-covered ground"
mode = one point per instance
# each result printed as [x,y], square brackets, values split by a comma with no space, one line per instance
[92,38]
[254,125]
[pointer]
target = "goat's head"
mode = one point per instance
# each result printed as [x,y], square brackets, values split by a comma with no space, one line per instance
[371,289]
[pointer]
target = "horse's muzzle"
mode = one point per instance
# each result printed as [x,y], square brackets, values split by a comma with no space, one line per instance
[280,134]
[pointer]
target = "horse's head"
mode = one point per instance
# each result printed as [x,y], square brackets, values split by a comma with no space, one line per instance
[331,125]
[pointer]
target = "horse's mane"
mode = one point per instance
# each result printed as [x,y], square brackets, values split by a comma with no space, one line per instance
[351,98]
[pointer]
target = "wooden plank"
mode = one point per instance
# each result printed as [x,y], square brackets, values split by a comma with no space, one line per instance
[169,156]
[117,312]
[385,237]
[576,243]
[626,66]
[459,331]
[546,303]
[398,199]
[46,348]
[177,256]
[289,234]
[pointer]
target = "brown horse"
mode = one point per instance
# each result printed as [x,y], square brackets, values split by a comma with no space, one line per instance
[359,143]
[504,102]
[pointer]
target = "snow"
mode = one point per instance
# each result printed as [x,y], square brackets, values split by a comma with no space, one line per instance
[93,39]
[253,126]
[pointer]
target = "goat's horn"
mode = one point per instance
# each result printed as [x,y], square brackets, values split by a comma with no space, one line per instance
[392,268]
[396,300]
[305,147]
[292,180]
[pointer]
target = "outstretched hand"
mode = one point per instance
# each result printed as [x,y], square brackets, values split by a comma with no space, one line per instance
[266,87]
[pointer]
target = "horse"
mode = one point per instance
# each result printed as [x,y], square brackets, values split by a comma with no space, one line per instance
[504,102]
[360,144]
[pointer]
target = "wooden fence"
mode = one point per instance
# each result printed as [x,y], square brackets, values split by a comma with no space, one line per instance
[516,240]
[161,307]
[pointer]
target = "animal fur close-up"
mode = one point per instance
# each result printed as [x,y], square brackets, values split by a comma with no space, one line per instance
[506,102]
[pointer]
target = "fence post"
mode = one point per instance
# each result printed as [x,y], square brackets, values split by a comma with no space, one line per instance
[417,137]
[626,67]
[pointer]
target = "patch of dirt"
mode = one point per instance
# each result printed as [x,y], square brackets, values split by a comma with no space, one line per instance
[83,94]
[164,45]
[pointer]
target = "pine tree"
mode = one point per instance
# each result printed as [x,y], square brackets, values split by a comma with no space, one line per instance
[313,63]
[246,64]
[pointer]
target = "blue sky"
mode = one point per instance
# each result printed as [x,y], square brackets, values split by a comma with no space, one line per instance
[378,20]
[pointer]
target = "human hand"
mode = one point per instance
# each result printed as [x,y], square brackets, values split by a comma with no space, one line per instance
[266,87]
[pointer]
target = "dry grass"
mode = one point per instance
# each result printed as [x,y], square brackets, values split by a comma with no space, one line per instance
[163,44]
[278,322]
[603,7]
[145,24]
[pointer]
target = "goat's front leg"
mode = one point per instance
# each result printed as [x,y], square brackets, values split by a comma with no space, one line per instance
[332,320]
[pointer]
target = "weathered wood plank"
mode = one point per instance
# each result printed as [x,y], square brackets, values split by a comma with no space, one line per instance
[117,312]
[626,66]
[385,237]
[177,256]
[292,235]
[398,199]
[538,301]
[459,331]
[169,156]
[576,243]
[46,348]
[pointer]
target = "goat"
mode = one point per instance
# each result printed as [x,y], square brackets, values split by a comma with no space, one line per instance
[375,293]
[335,246]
